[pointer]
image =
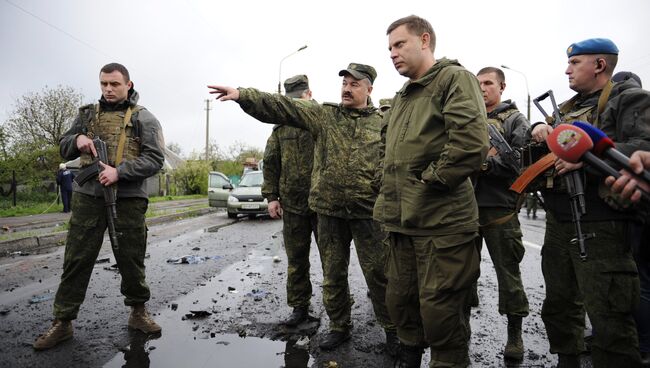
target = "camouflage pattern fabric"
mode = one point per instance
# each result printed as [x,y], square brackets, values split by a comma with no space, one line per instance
[297,231]
[85,237]
[335,235]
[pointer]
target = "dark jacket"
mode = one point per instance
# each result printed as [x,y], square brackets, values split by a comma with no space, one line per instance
[492,186]
[64,179]
[132,173]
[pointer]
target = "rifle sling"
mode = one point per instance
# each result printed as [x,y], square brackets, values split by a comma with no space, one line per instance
[532,172]
[120,144]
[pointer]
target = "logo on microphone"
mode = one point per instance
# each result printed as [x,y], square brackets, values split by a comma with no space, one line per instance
[567,139]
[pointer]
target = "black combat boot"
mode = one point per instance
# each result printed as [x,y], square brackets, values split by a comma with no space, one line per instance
[568,361]
[392,343]
[515,346]
[408,356]
[298,316]
[334,339]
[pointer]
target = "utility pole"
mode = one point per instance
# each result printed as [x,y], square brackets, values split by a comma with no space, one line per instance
[527,90]
[207,130]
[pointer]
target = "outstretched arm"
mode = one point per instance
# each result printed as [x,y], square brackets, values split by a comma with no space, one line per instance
[225,93]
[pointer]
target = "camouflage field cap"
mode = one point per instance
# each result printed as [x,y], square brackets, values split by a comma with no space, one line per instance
[592,46]
[360,71]
[384,103]
[296,85]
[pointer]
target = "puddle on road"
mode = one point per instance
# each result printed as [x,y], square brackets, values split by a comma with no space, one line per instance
[197,342]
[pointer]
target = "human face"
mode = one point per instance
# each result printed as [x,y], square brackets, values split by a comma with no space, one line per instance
[491,88]
[355,92]
[408,52]
[115,88]
[582,73]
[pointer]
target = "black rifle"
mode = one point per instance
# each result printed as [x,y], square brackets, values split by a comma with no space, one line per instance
[572,180]
[91,172]
[509,155]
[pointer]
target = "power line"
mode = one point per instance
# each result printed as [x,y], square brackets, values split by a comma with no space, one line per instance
[57,28]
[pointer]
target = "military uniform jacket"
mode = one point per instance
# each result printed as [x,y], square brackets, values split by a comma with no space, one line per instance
[492,186]
[131,172]
[288,162]
[436,138]
[346,149]
[626,120]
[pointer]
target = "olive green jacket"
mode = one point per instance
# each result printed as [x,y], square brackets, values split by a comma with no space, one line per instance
[288,161]
[346,149]
[436,138]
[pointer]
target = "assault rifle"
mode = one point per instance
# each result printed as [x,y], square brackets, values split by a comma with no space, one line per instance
[572,180]
[91,172]
[509,155]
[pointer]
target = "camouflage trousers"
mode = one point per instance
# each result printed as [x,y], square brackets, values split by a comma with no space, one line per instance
[334,237]
[606,286]
[506,250]
[429,285]
[297,230]
[85,237]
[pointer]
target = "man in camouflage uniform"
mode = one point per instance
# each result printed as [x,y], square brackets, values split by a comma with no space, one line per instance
[498,207]
[436,138]
[116,118]
[288,162]
[606,284]
[343,188]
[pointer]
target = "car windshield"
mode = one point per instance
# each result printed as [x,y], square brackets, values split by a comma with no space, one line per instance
[252,179]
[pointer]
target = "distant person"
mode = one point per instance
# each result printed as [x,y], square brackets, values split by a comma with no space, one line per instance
[289,158]
[343,189]
[498,207]
[115,118]
[64,179]
[531,205]
[436,138]
[606,284]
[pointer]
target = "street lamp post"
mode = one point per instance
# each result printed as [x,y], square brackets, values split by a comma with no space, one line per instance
[280,68]
[527,90]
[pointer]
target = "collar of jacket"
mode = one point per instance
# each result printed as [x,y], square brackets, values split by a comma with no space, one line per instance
[131,100]
[429,76]
[503,106]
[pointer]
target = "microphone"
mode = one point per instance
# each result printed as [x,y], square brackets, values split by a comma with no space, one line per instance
[572,144]
[604,146]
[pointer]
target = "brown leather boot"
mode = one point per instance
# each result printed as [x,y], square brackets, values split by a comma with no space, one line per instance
[515,345]
[59,331]
[141,320]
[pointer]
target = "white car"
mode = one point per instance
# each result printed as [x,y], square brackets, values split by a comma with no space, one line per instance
[247,198]
[219,188]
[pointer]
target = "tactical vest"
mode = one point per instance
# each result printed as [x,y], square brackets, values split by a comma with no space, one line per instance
[109,126]
[498,120]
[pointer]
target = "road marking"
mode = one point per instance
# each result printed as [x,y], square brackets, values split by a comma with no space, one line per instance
[532,245]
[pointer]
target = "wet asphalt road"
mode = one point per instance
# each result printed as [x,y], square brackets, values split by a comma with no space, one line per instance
[240,289]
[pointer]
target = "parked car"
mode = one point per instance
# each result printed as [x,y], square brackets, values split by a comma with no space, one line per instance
[219,188]
[247,198]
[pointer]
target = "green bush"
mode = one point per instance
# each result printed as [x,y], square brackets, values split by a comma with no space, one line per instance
[192,177]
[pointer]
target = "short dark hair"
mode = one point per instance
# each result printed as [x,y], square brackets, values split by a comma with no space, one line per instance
[490,69]
[417,26]
[109,68]
[611,60]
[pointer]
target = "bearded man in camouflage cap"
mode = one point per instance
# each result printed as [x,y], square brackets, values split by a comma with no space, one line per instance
[343,189]
[288,162]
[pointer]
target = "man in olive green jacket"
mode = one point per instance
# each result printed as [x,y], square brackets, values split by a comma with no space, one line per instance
[436,138]
[343,188]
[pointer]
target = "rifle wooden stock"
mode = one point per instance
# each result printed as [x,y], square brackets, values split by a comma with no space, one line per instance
[532,172]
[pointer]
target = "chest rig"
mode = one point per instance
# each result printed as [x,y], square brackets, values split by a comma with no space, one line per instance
[117,130]
[500,118]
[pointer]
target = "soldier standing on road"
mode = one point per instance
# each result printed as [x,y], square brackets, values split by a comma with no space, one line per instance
[531,205]
[343,190]
[64,179]
[498,207]
[436,138]
[606,285]
[116,116]
[288,162]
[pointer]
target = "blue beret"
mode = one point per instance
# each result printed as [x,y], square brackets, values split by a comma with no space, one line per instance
[592,46]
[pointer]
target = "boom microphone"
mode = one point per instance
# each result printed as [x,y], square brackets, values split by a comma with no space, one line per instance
[604,146]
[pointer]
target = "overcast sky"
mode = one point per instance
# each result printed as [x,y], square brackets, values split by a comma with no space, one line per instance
[173,49]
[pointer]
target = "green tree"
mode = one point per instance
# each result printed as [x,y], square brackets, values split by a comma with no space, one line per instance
[192,177]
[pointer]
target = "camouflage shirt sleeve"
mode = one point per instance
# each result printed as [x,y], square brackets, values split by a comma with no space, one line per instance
[152,146]
[272,167]
[277,109]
